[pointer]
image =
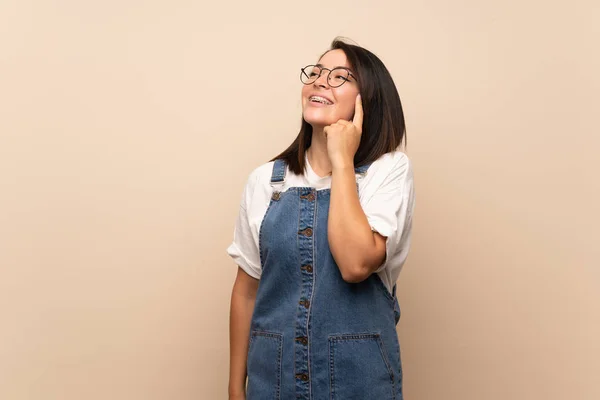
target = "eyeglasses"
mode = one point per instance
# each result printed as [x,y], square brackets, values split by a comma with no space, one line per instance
[335,78]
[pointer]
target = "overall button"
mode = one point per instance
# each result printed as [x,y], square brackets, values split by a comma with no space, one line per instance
[302,340]
[309,197]
[305,303]
[276,196]
[308,232]
[303,377]
[307,268]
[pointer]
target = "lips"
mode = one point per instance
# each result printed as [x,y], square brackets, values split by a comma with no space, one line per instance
[320,99]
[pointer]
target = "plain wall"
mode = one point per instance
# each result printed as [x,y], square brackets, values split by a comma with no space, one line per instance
[128,129]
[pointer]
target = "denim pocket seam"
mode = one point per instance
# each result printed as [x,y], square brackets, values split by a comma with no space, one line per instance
[278,337]
[333,339]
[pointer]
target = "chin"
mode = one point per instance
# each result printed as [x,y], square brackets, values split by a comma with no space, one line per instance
[318,120]
[318,123]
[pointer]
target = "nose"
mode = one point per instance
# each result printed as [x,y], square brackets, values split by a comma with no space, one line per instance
[322,80]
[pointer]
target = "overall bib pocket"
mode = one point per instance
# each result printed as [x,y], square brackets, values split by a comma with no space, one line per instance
[359,368]
[264,365]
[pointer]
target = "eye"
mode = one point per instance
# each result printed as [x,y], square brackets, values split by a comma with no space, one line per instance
[342,78]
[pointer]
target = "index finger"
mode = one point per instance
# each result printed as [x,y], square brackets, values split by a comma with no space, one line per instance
[358,113]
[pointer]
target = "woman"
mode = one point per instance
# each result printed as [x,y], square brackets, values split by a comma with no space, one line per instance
[322,233]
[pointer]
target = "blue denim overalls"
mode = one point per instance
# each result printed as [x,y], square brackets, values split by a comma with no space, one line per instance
[313,335]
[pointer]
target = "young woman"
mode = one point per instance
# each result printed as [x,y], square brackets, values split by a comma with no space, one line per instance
[322,233]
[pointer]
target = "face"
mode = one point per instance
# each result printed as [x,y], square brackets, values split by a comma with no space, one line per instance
[335,103]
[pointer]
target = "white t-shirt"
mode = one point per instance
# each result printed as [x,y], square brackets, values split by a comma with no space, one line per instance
[386,194]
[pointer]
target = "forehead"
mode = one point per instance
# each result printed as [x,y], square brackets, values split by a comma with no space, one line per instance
[334,58]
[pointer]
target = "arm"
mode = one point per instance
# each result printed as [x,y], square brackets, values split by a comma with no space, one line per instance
[357,250]
[243,297]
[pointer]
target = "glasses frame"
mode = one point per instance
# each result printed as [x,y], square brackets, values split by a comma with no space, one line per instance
[328,75]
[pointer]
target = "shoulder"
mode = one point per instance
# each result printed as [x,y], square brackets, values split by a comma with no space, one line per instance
[396,160]
[259,177]
[394,166]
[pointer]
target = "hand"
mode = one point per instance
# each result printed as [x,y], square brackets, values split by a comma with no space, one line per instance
[343,138]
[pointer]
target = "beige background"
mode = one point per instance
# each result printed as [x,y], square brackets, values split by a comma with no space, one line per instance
[127,131]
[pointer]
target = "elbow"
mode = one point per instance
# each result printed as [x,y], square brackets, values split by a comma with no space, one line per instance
[355,273]
[357,265]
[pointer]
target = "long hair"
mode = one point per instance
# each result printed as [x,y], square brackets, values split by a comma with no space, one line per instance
[383,128]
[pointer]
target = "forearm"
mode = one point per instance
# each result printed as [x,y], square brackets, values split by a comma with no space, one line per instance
[351,240]
[242,306]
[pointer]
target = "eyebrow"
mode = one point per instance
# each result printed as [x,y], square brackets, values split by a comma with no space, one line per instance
[339,66]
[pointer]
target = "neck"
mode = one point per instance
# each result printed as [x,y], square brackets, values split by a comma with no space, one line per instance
[317,153]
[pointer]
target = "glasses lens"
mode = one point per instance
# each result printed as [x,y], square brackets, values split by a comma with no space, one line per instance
[309,74]
[338,76]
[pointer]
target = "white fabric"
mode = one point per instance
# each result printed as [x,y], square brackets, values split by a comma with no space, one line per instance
[386,194]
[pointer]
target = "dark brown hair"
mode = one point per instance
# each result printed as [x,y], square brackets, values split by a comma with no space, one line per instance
[383,123]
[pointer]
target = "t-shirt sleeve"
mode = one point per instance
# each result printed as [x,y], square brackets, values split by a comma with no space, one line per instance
[243,249]
[389,205]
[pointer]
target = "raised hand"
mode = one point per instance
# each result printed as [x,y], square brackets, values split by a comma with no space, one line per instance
[343,138]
